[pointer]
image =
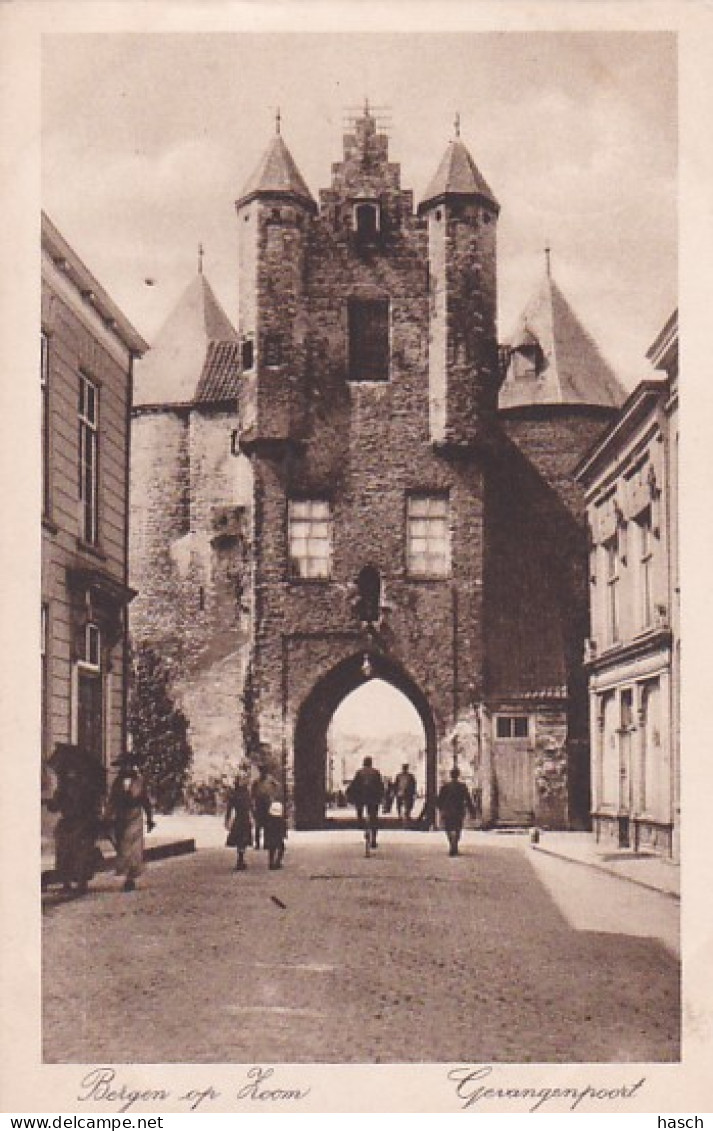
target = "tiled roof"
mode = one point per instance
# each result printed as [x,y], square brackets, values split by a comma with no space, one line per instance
[219,380]
[457,175]
[277,173]
[173,368]
[571,369]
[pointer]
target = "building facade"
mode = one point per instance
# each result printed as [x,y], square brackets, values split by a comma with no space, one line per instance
[631,483]
[87,352]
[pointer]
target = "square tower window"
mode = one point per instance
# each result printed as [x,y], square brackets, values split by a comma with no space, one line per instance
[367,220]
[368,339]
[309,537]
[427,536]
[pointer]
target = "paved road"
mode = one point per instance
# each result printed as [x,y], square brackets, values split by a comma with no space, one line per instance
[406,956]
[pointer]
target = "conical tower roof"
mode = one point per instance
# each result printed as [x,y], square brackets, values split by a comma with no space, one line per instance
[197,336]
[457,175]
[277,175]
[566,365]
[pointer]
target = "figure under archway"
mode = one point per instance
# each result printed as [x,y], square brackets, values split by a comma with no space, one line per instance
[312,769]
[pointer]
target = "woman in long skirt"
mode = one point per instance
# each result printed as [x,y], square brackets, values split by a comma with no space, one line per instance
[77,799]
[238,821]
[128,801]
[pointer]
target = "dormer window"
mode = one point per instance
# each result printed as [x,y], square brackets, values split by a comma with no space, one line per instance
[527,360]
[367,220]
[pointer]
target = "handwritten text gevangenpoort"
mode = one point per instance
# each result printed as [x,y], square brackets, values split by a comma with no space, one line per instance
[471,1091]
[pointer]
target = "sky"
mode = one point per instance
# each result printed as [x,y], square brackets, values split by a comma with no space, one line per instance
[147,140]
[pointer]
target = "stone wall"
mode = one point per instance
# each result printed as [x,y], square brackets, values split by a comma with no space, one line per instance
[189,553]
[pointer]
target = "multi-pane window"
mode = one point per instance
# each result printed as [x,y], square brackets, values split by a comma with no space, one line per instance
[427,536]
[45,392]
[643,524]
[309,538]
[368,339]
[88,412]
[611,550]
[511,726]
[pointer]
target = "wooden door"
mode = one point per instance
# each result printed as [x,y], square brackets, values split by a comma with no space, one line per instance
[513,760]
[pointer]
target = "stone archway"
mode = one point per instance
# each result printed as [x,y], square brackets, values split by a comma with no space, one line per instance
[315,715]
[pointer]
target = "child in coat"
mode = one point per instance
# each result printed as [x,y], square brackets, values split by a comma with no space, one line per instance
[275,835]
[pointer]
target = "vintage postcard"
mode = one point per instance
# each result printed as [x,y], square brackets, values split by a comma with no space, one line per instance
[355,558]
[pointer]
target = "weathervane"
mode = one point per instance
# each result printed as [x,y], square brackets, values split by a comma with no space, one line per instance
[456,123]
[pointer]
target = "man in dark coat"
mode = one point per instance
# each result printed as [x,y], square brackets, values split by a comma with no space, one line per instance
[262,794]
[405,793]
[453,800]
[365,792]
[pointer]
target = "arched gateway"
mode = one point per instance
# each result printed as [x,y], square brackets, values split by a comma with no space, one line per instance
[315,716]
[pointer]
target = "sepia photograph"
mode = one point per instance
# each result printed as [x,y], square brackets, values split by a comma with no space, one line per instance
[358,731]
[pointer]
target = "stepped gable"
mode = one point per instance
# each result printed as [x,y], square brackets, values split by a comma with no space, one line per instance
[554,360]
[194,356]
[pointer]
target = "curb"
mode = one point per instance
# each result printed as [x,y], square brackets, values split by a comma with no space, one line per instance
[153,852]
[607,871]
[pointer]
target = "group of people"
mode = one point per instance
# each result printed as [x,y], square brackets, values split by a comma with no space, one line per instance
[366,792]
[84,817]
[256,805]
[254,815]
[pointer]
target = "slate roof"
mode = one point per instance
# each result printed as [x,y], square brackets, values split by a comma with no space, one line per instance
[181,362]
[573,371]
[457,175]
[277,174]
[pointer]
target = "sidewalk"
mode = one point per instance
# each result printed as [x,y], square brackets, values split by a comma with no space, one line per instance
[646,869]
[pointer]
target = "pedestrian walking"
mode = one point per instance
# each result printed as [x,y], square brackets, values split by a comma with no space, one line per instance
[453,800]
[405,786]
[262,794]
[128,802]
[389,794]
[275,834]
[238,821]
[367,790]
[77,799]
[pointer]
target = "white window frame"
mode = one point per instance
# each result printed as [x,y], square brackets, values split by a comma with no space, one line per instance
[92,659]
[645,554]
[88,460]
[428,535]
[612,559]
[511,717]
[309,539]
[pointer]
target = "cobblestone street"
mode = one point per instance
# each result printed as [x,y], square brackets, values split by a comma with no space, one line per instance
[405,956]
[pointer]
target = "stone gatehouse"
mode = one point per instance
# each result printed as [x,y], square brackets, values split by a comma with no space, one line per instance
[405,494]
